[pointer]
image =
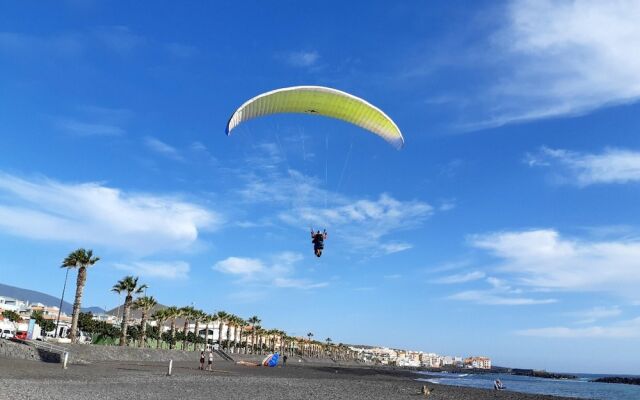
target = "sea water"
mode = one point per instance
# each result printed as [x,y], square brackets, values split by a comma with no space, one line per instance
[580,387]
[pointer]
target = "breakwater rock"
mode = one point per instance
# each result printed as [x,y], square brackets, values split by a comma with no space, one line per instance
[618,379]
[541,374]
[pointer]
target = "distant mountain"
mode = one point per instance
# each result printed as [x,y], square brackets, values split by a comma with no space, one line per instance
[38,297]
[135,314]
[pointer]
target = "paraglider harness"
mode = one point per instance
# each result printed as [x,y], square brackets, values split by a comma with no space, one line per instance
[318,241]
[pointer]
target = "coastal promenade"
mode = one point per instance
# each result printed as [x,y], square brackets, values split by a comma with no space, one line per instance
[142,379]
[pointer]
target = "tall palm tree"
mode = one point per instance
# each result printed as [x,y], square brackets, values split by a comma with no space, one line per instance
[160,317]
[187,314]
[254,320]
[198,316]
[81,259]
[145,304]
[223,317]
[173,313]
[207,320]
[310,335]
[240,324]
[129,285]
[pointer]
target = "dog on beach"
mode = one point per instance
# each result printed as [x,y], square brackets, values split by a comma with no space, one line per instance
[426,391]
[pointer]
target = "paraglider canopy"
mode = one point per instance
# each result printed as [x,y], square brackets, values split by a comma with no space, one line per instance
[319,100]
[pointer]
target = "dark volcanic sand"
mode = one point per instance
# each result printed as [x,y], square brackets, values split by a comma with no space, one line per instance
[21,379]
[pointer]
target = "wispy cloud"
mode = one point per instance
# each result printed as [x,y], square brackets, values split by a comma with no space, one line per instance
[462,278]
[94,121]
[596,313]
[94,214]
[490,298]
[566,58]
[26,46]
[278,270]
[120,39]
[583,169]
[157,269]
[543,259]
[365,224]
[162,148]
[500,293]
[624,329]
[80,128]
[301,59]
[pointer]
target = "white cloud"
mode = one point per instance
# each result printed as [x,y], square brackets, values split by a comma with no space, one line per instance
[596,313]
[363,224]
[162,148]
[611,166]
[558,58]
[81,128]
[462,278]
[93,214]
[491,298]
[542,259]
[298,283]
[623,329]
[395,247]
[302,58]
[277,271]
[157,269]
[245,267]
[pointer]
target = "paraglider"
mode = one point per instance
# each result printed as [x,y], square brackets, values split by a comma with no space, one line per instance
[322,101]
[319,100]
[318,239]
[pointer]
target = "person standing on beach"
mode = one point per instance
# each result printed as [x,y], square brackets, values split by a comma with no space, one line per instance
[201,360]
[210,361]
[284,361]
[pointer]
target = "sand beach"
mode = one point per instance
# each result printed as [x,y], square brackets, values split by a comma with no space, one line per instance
[96,380]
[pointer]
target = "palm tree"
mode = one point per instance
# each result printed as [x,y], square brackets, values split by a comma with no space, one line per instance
[80,259]
[187,314]
[310,335]
[160,317]
[145,304]
[173,312]
[254,320]
[240,324]
[208,319]
[128,284]
[198,316]
[223,317]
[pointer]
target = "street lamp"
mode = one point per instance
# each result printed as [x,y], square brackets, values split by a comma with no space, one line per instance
[61,300]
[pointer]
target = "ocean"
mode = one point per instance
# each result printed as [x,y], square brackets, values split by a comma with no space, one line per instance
[580,387]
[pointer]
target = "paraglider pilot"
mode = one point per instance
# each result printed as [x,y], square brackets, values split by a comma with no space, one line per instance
[318,239]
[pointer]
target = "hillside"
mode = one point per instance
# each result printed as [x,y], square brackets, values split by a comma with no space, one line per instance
[33,296]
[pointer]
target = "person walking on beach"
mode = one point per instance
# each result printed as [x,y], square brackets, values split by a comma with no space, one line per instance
[284,360]
[210,361]
[201,360]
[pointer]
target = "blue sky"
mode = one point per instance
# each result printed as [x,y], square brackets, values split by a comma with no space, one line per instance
[507,226]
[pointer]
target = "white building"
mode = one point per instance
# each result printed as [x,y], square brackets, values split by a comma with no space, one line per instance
[11,304]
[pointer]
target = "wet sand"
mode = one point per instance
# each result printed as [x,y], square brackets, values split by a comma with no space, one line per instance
[20,379]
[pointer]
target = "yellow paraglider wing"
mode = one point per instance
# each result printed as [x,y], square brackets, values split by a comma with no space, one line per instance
[318,100]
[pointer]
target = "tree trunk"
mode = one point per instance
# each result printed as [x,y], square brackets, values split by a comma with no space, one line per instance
[196,334]
[206,335]
[82,278]
[173,333]
[143,328]
[125,320]
[160,324]
[185,330]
